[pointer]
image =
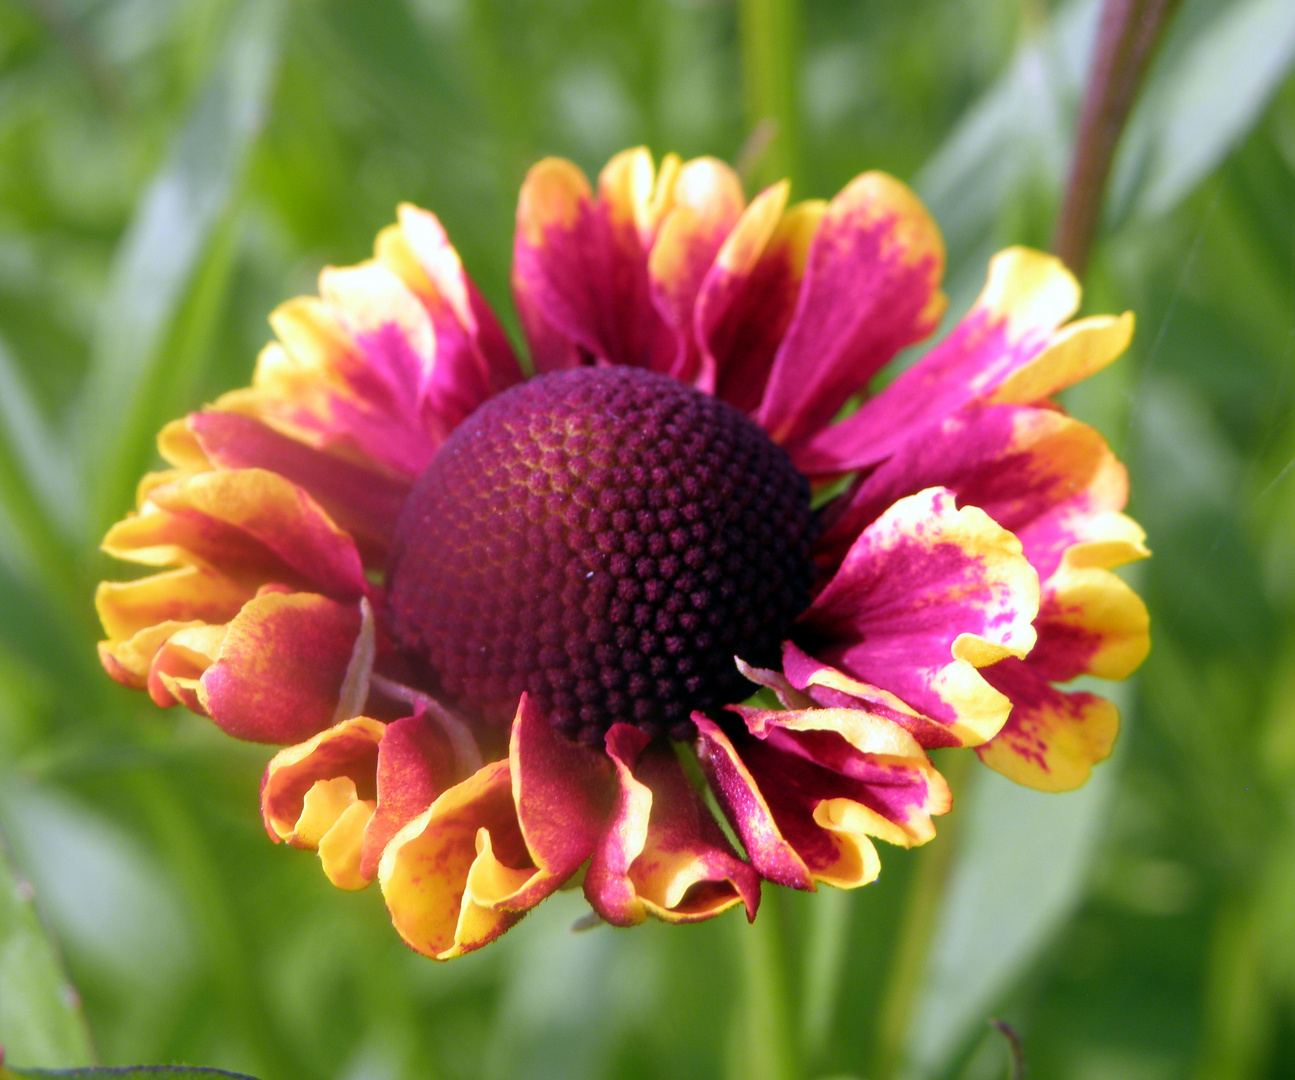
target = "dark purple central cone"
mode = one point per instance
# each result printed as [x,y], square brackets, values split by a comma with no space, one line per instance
[606,539]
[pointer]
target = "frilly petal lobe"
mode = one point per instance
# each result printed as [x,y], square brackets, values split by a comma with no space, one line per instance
[926,595]
[662,853]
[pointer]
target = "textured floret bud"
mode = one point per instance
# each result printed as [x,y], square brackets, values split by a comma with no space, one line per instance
[607,540]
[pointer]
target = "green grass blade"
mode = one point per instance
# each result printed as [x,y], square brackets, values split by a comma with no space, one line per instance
[1210,92]
[40,1019]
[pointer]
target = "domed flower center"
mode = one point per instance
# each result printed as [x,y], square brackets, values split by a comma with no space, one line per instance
[607,540]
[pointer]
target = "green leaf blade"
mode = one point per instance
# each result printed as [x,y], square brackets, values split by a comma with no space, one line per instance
[40,1018]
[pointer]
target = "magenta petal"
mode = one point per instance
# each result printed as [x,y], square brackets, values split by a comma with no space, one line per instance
[562,792]
[473,359]
[1007,349]
[829,688]
[927,594]
[415,764]
[871,288]
[747,809]
[282,668]
[250,523]
[608,886]
[662,853]
[748,298]
[580,276]
[363,502]
[1037,472]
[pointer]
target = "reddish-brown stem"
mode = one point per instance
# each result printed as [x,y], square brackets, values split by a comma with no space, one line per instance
[1126,39]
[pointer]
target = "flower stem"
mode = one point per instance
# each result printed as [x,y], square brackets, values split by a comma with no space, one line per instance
[1127,36]
[769,33]
[768,1050]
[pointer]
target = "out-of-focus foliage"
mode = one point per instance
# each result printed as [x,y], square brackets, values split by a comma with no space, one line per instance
[172,169]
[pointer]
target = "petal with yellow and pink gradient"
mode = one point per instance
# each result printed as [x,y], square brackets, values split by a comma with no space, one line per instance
[812,787]
[473,360]
[443,873]
[363,500]
[853,754]
[284,667]
[348,372]
[320,795]
[747,809]
[1090,621]
[1052,481]
[1037,472]
[1006,350]
[393,771]
[180,661]
[248,523]
[871,287]
[563,793]
[1053,738]
[497,843]
[926,595]
[661,852]
[706,202]
[823,685]
[185,595]
[749,296]
[580,266]
[416,762]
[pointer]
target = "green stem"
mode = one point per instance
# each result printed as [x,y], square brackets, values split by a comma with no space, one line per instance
[768,1050]
[1126,40]
[908,961]
[770,36]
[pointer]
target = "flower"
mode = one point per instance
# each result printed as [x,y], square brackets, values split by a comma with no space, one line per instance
[506,627]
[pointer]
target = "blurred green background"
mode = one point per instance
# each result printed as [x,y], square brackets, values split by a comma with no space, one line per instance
[172,169]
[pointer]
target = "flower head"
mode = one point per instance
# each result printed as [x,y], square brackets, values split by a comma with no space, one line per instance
[505,625]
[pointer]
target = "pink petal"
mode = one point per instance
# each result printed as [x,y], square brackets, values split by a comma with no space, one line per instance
[563,794]
[747,809]
[282,668]
[823,685]
[580,267]
[348,375]
[871,288]
[925,596]
[473,359]
[707,202]
[245,522]
[1037,472]
[749,296]
[363,501]
[1007,349]
[662,853]
[1053,738]
[415,764]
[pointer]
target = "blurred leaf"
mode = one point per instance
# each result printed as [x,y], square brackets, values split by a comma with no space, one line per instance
[1020,871]
[40,1019]
[34,475]
[157,262]
[1010,143]
[133,1072]
[1202,100]
[40,626]
[28,446]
